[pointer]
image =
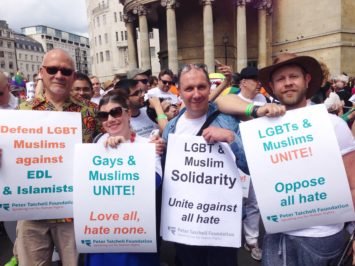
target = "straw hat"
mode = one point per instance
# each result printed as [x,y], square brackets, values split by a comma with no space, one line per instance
[307,63]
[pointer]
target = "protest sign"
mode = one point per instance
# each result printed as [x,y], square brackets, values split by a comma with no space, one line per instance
[37,159]
[114,198]
[202,194]
[297,170]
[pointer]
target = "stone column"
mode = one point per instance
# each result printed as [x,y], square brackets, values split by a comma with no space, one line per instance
[208,37]
[262,48]
[171,34]
[242,56]
[264,7]
[131,41]
[144,36]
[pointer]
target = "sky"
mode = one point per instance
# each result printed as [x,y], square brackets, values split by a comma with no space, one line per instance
[66,15]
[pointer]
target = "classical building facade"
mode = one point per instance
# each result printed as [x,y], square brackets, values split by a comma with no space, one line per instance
[110,39]
[29,54]
[8,61]
[244,32]
[77,46]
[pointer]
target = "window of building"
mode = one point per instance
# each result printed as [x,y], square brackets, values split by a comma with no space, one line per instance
[37,58]
[106,38]
[2,64]
[26,67]
[31,57]
[152,52]
[107,53]
[10,55]
[19,55]
[11,65]
[9,45]
[97,58]
[0,32]
[122,37]
[117,36]
[151,35]
[95,41]
[104,19]
[115,16]
[1,43]
[98,21]
[101,56]
[26,57]
[33,68]
[100,40]
[121,16]
[125,35]
[2,54]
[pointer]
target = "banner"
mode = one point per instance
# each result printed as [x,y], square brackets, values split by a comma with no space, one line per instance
[36,164]
[114,198]
[297,170]
[202,194]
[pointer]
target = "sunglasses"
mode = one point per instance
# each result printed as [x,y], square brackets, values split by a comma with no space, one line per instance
[54,70]
[167,82]
[144,81]
[114,112]
[137,93]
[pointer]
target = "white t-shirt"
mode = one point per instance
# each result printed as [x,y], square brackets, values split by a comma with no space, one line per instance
[142,124]
[346,144]
[156,92]
[96,99]
[189,126]
[138,139]
[12,104]
[259,99]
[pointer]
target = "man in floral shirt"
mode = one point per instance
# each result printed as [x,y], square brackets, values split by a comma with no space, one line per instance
[36,239]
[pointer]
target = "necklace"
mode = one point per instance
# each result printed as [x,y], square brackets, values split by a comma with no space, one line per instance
[132,138]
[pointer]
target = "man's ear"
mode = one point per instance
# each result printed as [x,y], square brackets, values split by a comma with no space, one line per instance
[271,85]
[308,78]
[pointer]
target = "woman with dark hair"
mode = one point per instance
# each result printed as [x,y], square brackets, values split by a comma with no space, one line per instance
[115,116]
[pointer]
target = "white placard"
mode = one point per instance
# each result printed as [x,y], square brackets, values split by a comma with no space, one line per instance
[114,199]
[297,170]
[202,194]
[36,165]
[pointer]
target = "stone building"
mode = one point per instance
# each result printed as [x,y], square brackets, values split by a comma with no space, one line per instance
[244,32]
[77,46]
[109,41]
[29,54]
[7,49]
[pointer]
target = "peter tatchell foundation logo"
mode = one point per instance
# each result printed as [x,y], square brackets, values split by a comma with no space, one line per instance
[5,206]
[86,242]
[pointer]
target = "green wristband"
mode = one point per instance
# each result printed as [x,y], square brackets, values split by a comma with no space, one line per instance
[249,109]
[162,116]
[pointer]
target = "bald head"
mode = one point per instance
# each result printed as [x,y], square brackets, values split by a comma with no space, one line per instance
[4,90]
[57,52]
[57,72]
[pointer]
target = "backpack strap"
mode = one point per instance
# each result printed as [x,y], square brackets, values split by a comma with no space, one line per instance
[208,121]
[98,136]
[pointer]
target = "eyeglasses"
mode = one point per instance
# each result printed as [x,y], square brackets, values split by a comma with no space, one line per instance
[137,93]
[144,81]
[54,70]
[114,112]
[167,82]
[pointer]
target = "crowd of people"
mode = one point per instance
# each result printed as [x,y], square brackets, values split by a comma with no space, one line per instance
[144,108]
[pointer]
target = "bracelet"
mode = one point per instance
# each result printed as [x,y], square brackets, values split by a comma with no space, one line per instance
[248,110]
[162,116]
[254,111]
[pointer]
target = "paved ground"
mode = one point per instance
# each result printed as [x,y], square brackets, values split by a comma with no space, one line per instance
[167,252]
